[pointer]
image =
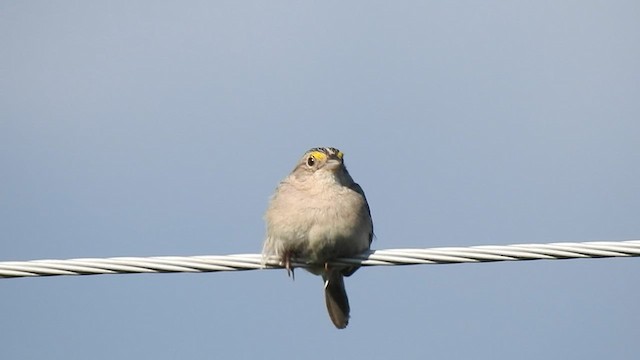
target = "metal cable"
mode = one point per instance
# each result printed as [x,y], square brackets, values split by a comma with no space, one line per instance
[213,263]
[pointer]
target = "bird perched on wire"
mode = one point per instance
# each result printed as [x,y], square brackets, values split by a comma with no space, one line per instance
[317,214]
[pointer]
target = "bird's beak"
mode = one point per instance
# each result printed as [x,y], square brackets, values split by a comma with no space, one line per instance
[333,164]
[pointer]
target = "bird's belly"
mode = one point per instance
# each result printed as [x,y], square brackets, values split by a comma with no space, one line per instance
[316,234]
[336,234]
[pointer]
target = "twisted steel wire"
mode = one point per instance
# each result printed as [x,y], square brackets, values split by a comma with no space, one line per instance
[389,257]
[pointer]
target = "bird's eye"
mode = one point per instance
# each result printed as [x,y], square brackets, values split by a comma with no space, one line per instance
[311,161]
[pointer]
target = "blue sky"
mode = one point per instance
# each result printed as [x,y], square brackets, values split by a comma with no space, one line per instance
[162,128]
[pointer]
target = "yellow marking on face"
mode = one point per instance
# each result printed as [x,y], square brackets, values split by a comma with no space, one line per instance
[340,155]
[318,155]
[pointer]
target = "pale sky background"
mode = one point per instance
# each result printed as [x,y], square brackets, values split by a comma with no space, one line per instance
[162,127]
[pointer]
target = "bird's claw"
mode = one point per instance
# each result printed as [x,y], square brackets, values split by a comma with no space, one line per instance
[287,265]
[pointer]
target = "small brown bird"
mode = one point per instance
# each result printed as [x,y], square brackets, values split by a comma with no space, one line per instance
[317,214]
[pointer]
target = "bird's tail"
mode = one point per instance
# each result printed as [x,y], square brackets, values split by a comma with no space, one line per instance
[336,298]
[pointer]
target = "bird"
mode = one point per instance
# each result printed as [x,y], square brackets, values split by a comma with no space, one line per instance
[318,213]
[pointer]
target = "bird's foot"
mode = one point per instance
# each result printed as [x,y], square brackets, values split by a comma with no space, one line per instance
[287,265]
